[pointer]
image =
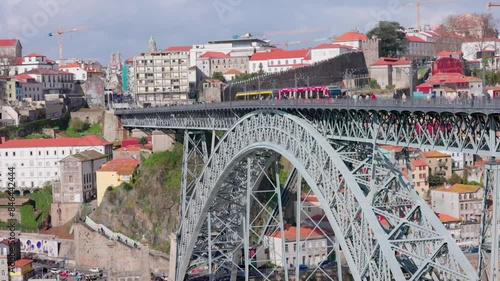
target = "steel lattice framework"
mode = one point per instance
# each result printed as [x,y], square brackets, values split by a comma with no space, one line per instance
[334,148]
[441,126]
[354,196]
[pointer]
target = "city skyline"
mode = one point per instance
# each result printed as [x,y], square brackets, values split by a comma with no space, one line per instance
[127,27]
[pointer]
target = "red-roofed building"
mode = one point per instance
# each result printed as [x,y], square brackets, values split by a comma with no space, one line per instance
[452,224]
[11,47]
[82,71]
[37,160]
[176,49]
[9,250]
[34,61]
[52,81]
[420,177]
[277,60]
[211,62]
[391,71]
[310,207]
[23,270]
[352,38]
[314,246]
[113,174]
[329,50]
[419,49]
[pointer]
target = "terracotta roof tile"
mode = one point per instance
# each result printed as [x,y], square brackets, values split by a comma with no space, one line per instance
[22,262]
[391,61]
[122,166]
[214,55]
[351,36]
[178,49]
[34,55]
[446,218]
[85,141]
[419,163]
[332,46]
[280,54]
[434,154]
[447,54]
[459,188]
[416,39]
[232,71]
[7,42]
[305,232]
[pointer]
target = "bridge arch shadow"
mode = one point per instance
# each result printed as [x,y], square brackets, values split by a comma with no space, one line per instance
[354,193]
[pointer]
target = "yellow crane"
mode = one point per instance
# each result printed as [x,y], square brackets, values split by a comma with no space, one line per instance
[417,5]
[60,32]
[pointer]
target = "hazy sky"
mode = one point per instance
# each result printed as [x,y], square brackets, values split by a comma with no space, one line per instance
[126,25]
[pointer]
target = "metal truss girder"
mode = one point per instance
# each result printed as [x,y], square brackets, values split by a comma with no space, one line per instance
[443,129]
[368,251]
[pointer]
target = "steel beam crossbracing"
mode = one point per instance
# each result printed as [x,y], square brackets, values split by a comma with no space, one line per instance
[445,129]
[385,230]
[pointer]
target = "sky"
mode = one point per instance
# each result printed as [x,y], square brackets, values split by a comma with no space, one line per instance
[126,25]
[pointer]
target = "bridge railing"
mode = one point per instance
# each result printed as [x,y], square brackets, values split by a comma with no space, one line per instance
[438,103]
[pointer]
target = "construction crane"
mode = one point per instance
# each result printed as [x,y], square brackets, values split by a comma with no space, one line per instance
[303,41]
[279,32]
[60,33]
[492,4]
[417,5]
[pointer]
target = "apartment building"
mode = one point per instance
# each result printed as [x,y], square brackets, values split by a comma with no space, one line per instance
[211,62]
[77,182]
[463,202]
[36,161]
[161,77]
[53,81]
[420,176]
[439,163]
[278,60]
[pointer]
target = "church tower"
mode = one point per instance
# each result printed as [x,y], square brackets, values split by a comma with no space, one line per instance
[152,45]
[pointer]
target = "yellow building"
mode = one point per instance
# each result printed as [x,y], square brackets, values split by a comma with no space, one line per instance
[114,173]
[23,270]
[439,163]
[10,89]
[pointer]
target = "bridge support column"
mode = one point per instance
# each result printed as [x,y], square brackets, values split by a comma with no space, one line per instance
[490,222]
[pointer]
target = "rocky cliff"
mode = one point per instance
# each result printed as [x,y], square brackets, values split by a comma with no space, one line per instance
[149,205]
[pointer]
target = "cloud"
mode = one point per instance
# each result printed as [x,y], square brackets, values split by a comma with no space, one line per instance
[127,25]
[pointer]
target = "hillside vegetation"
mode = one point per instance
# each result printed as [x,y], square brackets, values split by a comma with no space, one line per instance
[149,205]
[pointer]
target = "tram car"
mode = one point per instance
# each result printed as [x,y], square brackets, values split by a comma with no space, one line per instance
[313,92]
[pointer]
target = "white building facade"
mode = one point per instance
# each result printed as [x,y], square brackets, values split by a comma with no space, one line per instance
[278,60]
[34,61]
[53,81]
[162,77]
[460,160]
[327,51]
[36,161]
[312,247]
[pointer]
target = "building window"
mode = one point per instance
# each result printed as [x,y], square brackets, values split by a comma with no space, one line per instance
[70,179]
[286,248]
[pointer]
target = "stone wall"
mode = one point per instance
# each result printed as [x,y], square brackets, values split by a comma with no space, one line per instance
[92,250]
[371,50]
[5,215]
[67,212]
[332,71]
[112,129]
[93,116]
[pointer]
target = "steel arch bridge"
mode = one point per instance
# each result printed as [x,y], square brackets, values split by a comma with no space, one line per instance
[385,230]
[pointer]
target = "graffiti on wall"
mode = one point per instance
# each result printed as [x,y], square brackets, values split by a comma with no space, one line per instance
[39,246]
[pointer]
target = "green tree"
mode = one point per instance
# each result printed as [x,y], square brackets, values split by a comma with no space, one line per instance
[374,84]
[393,42]
[435,180]
[219,76]
[454,179]
[143,140]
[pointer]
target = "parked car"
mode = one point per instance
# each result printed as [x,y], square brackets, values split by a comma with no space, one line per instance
[302,267]
[95,270]
[55,270]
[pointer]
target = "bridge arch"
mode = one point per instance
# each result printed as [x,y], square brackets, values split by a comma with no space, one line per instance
[349,206]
